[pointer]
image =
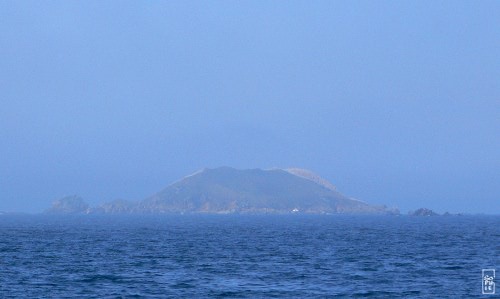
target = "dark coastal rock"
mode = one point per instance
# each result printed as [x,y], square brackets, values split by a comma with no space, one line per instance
[69,205]
[423,212]
[452,214]
[118,206]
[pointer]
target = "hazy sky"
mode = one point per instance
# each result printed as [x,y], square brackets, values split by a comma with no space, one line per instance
[395,102]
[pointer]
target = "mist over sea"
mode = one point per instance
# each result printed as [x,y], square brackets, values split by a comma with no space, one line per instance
[199,256]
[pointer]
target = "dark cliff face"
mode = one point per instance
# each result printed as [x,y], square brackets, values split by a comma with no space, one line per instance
[228,190]
[69,205]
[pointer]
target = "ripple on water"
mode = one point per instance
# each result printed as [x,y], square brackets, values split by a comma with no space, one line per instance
[246,257]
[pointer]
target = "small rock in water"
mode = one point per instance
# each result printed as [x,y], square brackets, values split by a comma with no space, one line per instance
[423,212]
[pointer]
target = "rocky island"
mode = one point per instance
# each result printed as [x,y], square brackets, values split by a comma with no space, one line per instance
[227,190]
[423,212]
[69,205]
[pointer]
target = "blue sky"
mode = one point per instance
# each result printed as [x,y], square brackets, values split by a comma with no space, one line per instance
[394,102]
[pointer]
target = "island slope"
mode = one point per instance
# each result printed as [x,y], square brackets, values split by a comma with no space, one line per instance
[228,190]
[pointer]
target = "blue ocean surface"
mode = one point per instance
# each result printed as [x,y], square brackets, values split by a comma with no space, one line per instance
[234,256]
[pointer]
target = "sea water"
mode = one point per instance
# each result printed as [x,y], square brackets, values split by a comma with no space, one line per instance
[238,256]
